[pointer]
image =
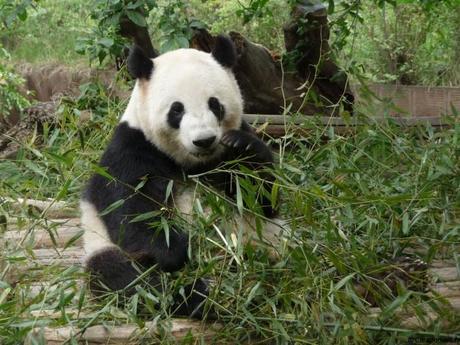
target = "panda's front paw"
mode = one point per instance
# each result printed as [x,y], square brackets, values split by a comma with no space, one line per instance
[192,302]
[247,144]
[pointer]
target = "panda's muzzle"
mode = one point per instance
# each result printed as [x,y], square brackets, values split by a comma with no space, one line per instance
[204,144]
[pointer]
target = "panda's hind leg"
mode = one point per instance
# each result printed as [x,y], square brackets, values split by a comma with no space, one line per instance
[111,270]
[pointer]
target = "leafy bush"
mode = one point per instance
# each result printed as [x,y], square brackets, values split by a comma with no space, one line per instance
[10,83]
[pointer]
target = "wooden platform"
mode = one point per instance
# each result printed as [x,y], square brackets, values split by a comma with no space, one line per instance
[63,248]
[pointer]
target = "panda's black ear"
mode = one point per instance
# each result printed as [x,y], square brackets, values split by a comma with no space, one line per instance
[224,51]
[139,65]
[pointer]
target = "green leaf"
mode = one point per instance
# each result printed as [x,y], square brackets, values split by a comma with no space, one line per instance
[102,171]
[182,42]
[112,207]
[145,216]
[136,18]
[405,223]
[252,293]
[399,301]
[239,196]
[141,184]
[165,226]
[169,189]
[343,281]
[106,42]
[331,7]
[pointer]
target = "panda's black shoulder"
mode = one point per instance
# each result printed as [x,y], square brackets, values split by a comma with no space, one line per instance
[128,158]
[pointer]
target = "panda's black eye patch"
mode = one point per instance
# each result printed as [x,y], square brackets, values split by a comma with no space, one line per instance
[216,107]
[175,114]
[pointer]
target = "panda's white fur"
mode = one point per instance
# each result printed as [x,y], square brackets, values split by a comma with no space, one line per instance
[141,146]
[96,236]
[188,76]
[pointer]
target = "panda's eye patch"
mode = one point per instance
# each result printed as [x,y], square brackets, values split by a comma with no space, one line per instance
[175,114]
[216,107]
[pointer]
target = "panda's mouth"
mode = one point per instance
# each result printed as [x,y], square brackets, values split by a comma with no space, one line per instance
[202,154]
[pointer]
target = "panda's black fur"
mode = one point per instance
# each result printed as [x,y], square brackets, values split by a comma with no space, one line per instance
[131,159]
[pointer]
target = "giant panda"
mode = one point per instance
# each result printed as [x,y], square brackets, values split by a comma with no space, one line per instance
[184,118]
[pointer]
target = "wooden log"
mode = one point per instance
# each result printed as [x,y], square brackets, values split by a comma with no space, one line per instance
[20,223]
[57,314]
[122,334]
[36,288]
[444,274]
[36,261]
[41,238]
[446,289]
[51,208]
[56,256]
[409,320]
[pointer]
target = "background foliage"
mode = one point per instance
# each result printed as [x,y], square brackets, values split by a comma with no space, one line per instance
[411,41]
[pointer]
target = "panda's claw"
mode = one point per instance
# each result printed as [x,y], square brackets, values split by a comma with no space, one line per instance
[248,147]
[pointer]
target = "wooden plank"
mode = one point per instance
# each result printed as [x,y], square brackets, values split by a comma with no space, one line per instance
[123,334]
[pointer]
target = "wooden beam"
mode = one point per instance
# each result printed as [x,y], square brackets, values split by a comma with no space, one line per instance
[339,121]
[276,125]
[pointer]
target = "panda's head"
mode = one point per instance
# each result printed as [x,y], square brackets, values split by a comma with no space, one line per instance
[185,100]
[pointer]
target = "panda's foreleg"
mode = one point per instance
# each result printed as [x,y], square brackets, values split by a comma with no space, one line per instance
[169,250]
[243,144]
[256,155]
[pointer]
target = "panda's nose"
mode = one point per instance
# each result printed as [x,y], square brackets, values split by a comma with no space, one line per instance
[204,143]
